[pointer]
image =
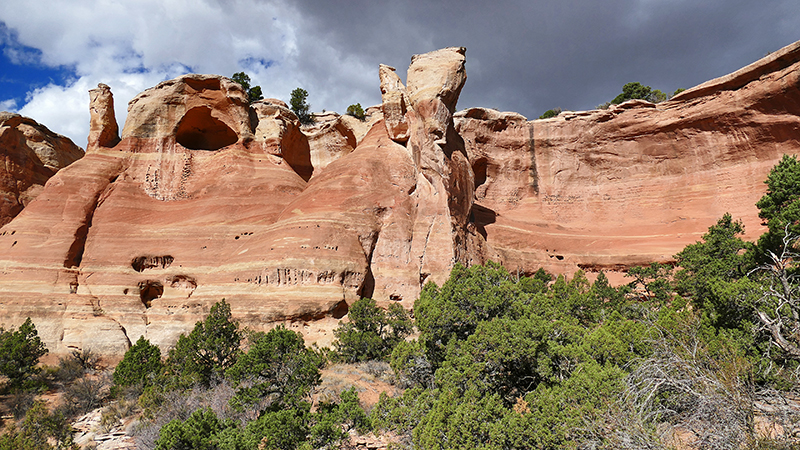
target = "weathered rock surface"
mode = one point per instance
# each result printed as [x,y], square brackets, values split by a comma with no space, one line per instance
[31,154]
[633,184]
[103,128]
[206,197]
[330,138]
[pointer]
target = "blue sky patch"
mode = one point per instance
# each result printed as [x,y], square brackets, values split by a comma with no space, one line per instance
[22,72]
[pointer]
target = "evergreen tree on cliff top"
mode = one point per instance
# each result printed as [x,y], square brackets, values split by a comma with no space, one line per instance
[253,92]
[300,107]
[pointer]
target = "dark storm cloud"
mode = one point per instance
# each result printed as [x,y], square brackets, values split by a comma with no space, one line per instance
[524,56]
[531,56]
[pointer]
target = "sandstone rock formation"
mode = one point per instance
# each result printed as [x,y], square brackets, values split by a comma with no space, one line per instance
[608,189]
[329,138]
[205,197]
[31,154]
[103,128]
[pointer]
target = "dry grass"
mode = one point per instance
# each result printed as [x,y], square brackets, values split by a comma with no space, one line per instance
[369,379]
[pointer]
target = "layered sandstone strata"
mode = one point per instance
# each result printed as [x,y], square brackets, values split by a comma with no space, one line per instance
[204,197]
[31,154]
[608,189]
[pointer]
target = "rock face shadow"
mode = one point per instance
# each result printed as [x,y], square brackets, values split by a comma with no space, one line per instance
[206,196]
[199,130]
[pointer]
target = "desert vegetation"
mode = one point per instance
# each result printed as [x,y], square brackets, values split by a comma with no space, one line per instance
[636,90]
[253,92]
[703,353]
[298,103]
[356,111]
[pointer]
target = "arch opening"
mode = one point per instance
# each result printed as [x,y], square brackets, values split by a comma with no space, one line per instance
[199,130]
[479,169]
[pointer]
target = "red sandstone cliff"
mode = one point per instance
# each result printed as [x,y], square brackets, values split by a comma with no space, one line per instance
[633,184]
[31,154]
[205,197]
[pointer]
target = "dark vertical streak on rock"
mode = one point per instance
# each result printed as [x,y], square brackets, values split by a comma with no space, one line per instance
[534,173]
[74,255]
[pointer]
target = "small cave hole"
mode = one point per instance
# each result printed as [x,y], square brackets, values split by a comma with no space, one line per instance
[150,290]
[181,282]
[340,310]
[199,130]
[142,263]
[479,169]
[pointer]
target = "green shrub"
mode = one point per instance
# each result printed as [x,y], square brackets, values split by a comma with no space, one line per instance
[631,91]
[39,431]
[539,282]
[469,296]
[141,364]
[195,433]
[402,413]
[351,414]
[550,113]
[411,366]
[520,363]
[779,208]
[278,368]
[253,92]
[300,107]
[209,350]
[371,332]
[20,351]
[356,111]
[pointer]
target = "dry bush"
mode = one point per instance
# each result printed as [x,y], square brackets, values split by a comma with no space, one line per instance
[87,358]
[777,419]
[84,395]
[68,370]
[378,369]
[180,405]
[77,364]
[114,413]
[19,402]
[681,396]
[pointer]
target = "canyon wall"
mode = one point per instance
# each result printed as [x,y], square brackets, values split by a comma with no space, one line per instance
[204,196]
[608,189]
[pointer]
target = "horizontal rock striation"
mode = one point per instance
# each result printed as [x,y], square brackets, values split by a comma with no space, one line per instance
[204,196]
[31,154]
[608,189]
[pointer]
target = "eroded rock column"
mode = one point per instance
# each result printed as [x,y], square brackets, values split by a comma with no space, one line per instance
[103,128]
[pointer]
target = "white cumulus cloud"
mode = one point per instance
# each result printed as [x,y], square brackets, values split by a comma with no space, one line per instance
[132,46]
[522,55]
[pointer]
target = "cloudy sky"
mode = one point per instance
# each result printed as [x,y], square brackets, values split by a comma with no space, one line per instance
[523,56]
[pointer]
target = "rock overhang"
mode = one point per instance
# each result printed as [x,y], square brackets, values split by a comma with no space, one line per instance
[202,111]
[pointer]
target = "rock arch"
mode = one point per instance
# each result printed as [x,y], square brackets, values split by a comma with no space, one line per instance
[199,130]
